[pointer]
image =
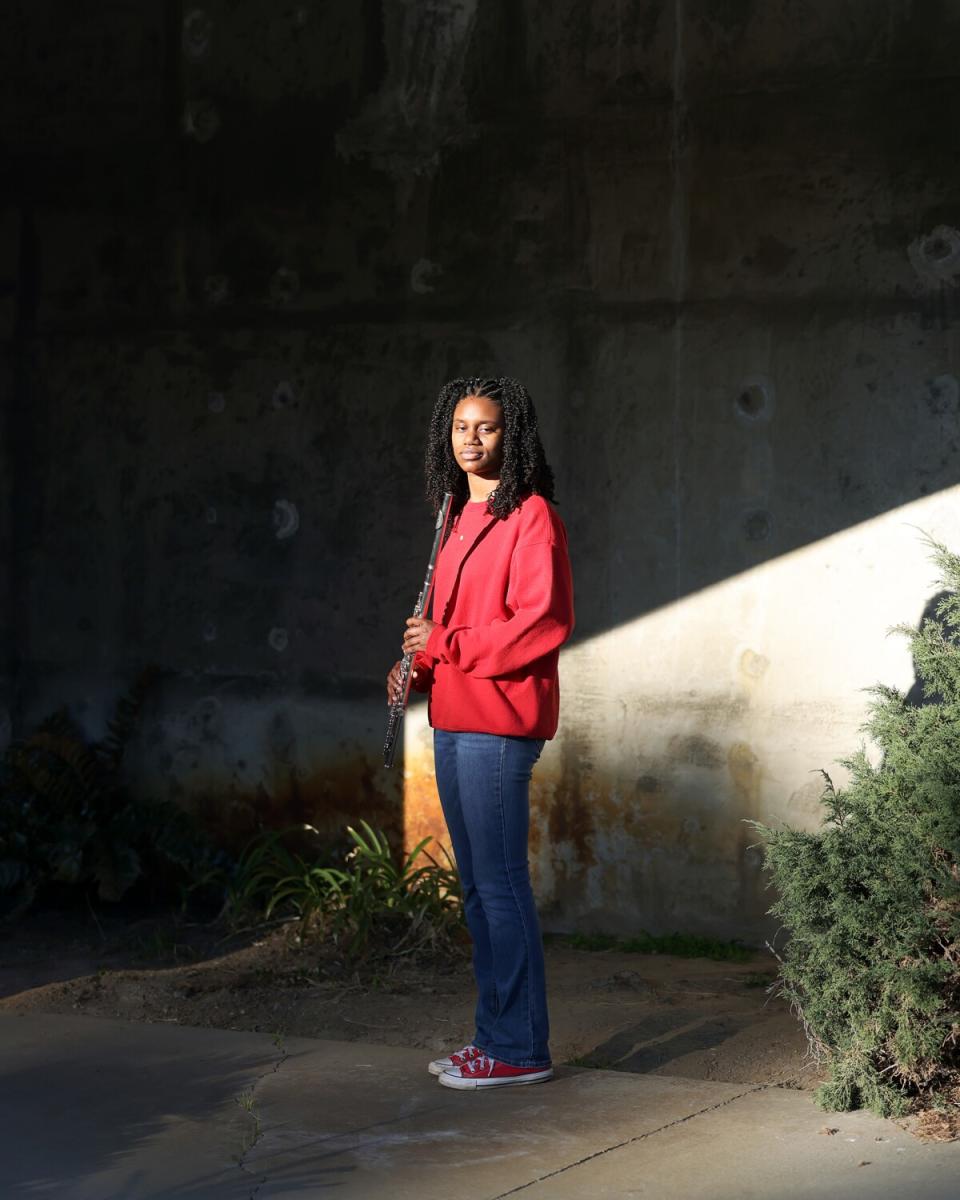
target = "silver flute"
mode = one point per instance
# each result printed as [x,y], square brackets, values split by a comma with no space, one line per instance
[399,704]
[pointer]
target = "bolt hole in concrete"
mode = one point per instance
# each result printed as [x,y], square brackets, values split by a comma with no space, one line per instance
[757,525]
[754,401]
[201,120]
[286,519]
[936,255]
[197,28]
[216,289]
[751,402]
[943,395]
[284,286]
[283,395]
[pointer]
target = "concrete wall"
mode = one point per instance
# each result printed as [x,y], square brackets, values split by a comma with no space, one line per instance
[246,244]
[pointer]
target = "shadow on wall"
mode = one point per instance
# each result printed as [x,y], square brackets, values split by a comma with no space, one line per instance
[918,696]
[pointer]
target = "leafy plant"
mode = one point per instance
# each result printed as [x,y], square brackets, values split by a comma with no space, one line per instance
[263,865]
[67,816]
[872,899]
[374,899]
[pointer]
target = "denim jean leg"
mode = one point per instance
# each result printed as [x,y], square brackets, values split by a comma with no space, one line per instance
[445,747]
[494,774]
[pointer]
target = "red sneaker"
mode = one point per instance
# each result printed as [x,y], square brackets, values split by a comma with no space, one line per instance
[481,1071]
[439,1065]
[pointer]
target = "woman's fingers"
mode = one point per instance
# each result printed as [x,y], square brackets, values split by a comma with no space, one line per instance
[394,688]
[417,633]
[393,684]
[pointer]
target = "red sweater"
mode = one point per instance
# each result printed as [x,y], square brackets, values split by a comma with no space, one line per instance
[503,603]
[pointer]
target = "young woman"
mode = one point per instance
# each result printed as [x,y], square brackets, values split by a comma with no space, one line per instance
[502,608]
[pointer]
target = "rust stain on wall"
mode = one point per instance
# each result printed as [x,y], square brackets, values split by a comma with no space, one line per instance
[696,750]
[328,795]
[422,814]
[753,666]
[573,804]
[601,842]
[746,772]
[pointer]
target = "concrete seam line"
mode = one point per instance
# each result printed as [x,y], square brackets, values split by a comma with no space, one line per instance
[629,1141]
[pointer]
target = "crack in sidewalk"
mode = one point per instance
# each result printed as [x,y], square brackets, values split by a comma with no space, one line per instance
[629,1141]
[261,1179]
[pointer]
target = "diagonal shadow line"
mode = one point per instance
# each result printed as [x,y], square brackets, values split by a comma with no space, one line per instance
[642,1047]
[702,1037]
[626,1040]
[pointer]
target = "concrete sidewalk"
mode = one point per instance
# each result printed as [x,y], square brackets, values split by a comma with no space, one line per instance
[109,1110]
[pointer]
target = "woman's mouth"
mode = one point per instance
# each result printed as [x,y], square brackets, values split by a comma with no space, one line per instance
[471,455]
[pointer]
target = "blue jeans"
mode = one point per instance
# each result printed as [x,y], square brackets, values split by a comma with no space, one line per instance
[483,781]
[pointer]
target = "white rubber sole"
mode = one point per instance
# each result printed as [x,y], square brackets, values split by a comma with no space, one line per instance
[469,1084]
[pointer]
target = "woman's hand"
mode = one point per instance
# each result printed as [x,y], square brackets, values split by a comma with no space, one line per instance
[418,631]
[393,682]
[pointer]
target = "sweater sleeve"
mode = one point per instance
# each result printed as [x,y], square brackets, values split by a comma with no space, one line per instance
[540,600]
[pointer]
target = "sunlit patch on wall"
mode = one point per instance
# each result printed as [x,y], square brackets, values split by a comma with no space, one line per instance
[679,726]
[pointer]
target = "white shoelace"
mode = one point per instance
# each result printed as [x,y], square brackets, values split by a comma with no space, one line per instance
[481,1065]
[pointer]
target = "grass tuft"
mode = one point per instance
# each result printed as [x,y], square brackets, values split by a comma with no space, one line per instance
[683,945]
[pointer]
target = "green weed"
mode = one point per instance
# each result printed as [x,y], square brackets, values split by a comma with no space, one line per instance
[590,1062]
[246,1101]
[757,979]
[683,945]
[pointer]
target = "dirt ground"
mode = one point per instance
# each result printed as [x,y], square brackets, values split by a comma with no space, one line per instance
[696,1018]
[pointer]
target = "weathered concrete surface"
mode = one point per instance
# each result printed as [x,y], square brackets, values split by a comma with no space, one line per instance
[762,1145]
[110,1110]
[94,1109]
[244,244]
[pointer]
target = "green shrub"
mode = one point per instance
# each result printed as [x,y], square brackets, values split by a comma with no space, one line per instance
[67,816]
[872,900]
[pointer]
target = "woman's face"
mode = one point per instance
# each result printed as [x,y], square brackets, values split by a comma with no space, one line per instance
[477,436]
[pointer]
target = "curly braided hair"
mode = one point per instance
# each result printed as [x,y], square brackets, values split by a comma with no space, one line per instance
[525,468]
